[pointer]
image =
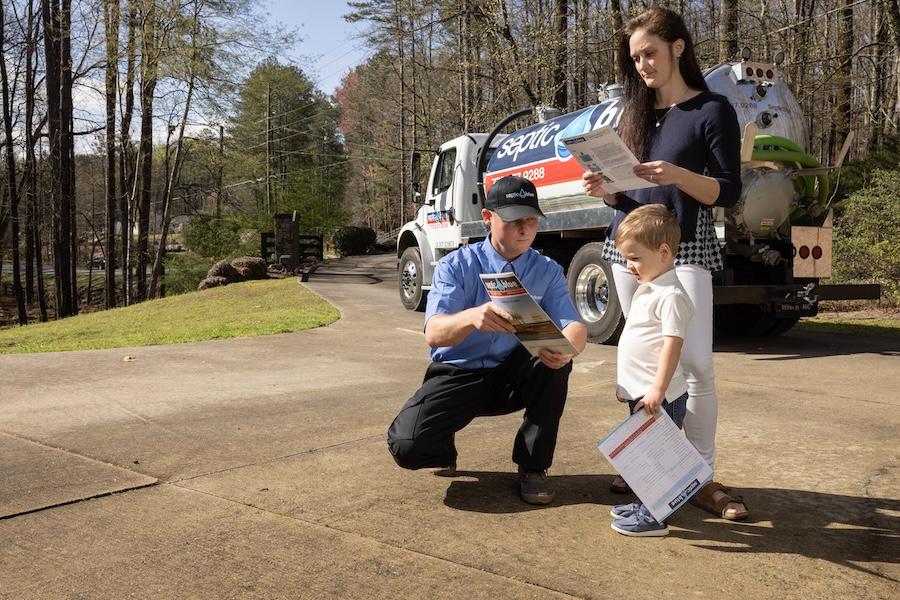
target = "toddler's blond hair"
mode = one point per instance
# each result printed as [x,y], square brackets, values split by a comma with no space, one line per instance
[651,225]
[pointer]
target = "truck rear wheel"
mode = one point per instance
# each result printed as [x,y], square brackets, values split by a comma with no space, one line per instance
[593,291]
[782,325]
[412,295]
[742,320]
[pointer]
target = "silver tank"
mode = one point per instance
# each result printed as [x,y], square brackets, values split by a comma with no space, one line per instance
[759,95]
[768,102]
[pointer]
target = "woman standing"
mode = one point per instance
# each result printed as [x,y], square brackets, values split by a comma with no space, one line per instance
[688,140]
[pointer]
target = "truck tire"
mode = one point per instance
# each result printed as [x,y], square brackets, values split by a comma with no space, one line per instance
[742,320]
[412,295]
[593,291]
[782,325]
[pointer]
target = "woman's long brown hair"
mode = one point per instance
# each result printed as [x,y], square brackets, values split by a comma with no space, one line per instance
[639,101]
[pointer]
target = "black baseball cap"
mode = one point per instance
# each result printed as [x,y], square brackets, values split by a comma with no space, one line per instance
[513,198]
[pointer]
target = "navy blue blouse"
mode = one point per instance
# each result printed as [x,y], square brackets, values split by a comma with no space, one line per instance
[702,135]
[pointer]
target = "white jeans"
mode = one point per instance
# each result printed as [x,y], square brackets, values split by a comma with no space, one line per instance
[696,354]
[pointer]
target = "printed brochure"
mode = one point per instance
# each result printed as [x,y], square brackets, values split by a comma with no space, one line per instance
[602,151]
[660,465]
[535,330]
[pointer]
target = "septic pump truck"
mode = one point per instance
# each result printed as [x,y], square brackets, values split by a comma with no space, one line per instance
[776,242]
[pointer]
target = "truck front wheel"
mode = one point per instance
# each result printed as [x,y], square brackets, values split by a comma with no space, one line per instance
[412,295]
[593,291]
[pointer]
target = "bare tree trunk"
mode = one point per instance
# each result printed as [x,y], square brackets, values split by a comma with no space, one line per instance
[29,175]
[67,147]
[844,85]
[39,254]
[13,193]
[560,80]
[174,175]
[728,40]
[506,33]
[875,111]
[33,199]
[148,88]
[615,9]
[58,121]
[127,161]
[111,20]
[892,8]
[398,8]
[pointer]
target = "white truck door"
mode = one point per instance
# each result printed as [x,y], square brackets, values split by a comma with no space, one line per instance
[441,225]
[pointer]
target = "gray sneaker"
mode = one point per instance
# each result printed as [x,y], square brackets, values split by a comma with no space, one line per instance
[534,487]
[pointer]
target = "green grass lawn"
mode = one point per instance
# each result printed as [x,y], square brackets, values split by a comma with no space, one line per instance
[238,310]
[879,327]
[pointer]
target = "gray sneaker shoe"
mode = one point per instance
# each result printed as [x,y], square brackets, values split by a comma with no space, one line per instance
[622,511]
[640,524]
[534,487]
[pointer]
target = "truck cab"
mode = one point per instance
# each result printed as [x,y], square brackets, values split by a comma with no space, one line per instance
[450,199]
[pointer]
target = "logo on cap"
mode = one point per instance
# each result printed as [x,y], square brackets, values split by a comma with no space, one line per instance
[523,193]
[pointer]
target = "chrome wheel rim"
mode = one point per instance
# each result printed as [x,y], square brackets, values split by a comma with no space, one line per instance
[592,293]
[408,278]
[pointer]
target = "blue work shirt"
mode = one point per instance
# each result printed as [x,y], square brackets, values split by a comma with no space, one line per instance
[456,286]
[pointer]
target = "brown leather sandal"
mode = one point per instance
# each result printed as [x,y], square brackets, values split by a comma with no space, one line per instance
[619,486]
[705,499]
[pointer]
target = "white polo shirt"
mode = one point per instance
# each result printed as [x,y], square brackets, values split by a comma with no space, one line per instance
[659,308]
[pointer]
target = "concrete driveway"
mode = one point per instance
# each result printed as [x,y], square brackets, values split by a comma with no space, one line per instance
[257,468]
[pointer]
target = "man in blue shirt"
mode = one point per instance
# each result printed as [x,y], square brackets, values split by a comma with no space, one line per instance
[479,368]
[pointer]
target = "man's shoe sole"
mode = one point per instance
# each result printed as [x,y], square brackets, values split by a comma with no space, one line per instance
[540,500]
[449,471]
[651,533]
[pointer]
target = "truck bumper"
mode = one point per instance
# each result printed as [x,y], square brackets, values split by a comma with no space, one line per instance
[794,293]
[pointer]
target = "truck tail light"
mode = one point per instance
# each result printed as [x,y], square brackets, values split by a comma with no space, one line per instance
[770,74]
[817,252]
[759,72]
[804,251]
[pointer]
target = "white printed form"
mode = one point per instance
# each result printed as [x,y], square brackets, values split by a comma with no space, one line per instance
[602,151]
[657,461]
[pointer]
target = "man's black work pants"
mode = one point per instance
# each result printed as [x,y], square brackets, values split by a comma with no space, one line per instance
[451,397]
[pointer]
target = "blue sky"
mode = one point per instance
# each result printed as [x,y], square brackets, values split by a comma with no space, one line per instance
[328,45]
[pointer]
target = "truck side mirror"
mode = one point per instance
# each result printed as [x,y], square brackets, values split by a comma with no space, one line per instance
[414,161]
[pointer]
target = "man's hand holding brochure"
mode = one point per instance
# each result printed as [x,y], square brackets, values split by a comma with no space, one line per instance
[602,151]
[535,330]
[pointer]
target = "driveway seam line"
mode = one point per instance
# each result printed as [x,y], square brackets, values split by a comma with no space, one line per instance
[276,458]
[23,438]
[79,500]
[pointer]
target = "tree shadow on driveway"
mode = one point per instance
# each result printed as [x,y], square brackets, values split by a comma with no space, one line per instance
[844,530]
[808,344]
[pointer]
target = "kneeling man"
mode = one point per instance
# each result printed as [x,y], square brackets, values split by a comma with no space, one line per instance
[479,368]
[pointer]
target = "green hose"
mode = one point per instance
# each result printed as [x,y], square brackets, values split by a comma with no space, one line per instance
[778,149]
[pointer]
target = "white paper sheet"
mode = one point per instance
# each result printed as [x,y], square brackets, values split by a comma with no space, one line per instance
[657,461]
[602,151]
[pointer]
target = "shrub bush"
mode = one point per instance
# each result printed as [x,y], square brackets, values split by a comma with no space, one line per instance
[211,237]
[183,272]
[250,267]
[347,241]
[211,282]
[224,269]
[867,235]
